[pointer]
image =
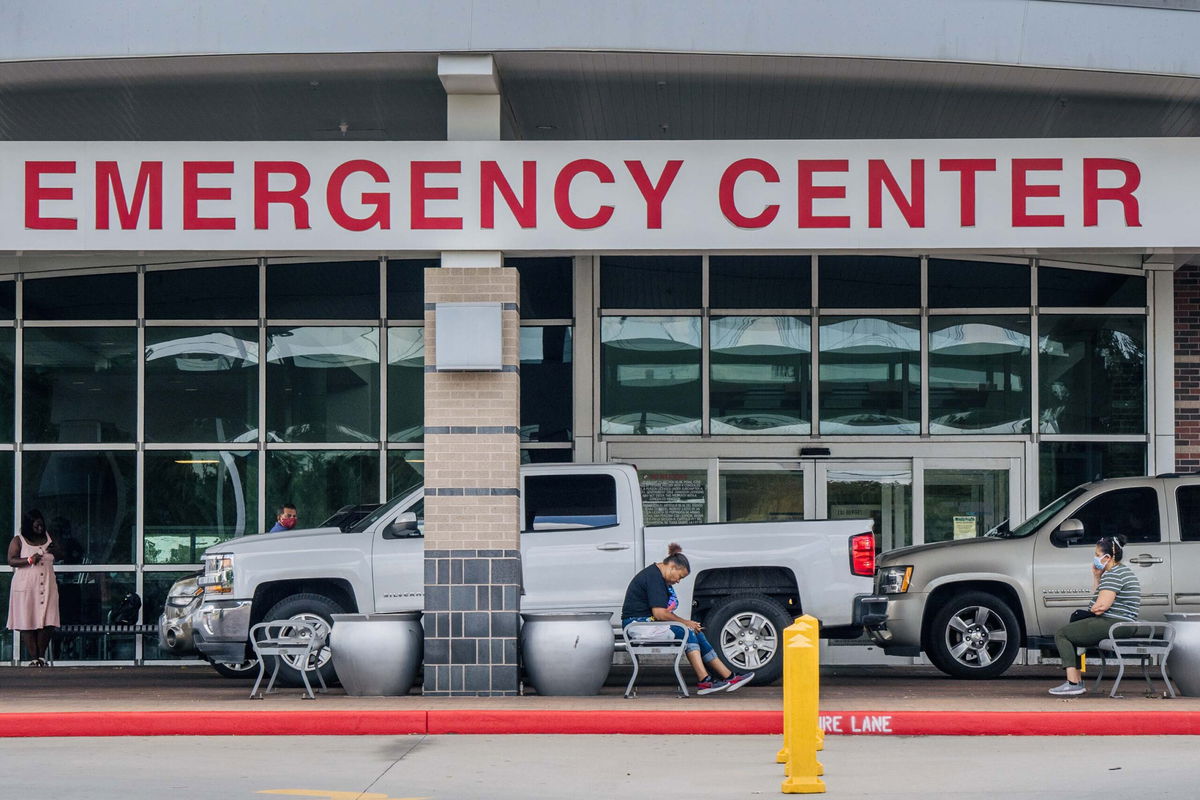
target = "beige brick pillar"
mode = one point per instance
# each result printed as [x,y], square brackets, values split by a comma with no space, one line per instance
[472,503]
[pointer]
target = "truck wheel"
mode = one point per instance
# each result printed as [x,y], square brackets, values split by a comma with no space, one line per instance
[316,608]
[747,633]
[974,635]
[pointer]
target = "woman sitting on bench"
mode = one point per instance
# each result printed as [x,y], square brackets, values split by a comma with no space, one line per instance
[651,598]
[1118,598]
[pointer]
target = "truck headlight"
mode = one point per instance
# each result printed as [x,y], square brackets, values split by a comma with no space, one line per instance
[894,580]
[218,574]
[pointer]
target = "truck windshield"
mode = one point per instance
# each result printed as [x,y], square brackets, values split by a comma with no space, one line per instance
[1037,520]
[383,510]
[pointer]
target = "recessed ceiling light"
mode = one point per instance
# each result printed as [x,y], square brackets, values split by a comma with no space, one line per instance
[545,126]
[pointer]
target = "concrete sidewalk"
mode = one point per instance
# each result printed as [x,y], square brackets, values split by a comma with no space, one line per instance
[143,700]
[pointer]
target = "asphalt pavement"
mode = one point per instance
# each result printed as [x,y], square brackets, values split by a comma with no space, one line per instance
[608,767]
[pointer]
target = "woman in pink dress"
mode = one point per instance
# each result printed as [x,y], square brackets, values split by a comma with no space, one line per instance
[33,603]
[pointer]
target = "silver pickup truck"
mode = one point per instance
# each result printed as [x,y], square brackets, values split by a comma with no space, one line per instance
[583,540]
[971,604]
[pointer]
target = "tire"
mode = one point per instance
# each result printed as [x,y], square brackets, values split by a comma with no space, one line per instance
[974,635]
[312,608]
[747,632]
[244,670]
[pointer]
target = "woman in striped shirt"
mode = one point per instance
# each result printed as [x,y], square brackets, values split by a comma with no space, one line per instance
[1118,597]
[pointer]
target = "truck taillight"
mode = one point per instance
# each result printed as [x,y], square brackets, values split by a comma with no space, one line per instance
[862,554]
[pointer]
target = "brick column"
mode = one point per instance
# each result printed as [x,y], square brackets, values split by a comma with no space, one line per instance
[472,503]
[1187,368]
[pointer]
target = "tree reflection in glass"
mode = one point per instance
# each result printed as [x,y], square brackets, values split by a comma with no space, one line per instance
[1092,374]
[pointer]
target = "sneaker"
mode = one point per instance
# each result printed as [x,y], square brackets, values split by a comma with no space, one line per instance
[709,686]
[1068,689]
[738,681]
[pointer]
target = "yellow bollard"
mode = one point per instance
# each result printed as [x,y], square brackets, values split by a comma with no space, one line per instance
[789,634]
[801,665]
[810,627]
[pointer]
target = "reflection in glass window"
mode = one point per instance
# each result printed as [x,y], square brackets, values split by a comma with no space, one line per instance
[650,281]
[155,587]
[328,290]
[89,598]
[1092,374]
[881,495]
[111,296]
[8,375]
[869,282]
[201,384]
[649,375]
[406,384]
[760,375]
[756,495]
[1130,512]
[320,482]
[195,499]
[203,293]
[979,375]
[8,302]
[323,384]
[405,469]
[963,504]
[870,375]
[546,378]
[1065,465]
[1080,287]
[558,455]
[977,284]
[80,384]
[760,281]
[88,500]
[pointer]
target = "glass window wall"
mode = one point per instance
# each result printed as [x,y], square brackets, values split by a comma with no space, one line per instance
[88,598]
[964,503]
[88,499]
[979,374]
[323,290]
[760,375]
[977,284]
[406,384]
[650,374]
[323,384]
[657,282]
[1065,465]
[1076,288]
[546,377]
[203,293]
[869,282]
[106,296]
[195,499]
[761,495]
[319,482]
[201,384]
[80,385]
[880,494]
[1092,371]
[760,281]
[870,375]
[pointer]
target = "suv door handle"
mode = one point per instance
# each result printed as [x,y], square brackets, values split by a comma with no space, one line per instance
[612,546]
[1144,560]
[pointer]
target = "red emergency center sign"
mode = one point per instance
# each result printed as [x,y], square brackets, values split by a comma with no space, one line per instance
[612,196]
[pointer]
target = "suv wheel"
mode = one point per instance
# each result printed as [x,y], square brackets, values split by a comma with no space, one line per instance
[747,633]
[974,635]
[316,608]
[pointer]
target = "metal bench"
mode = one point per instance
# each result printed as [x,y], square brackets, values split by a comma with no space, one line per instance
[654,639]
[1146,641]
[103,631]
[288,637]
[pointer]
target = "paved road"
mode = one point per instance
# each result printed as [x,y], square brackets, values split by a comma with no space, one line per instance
[534,767]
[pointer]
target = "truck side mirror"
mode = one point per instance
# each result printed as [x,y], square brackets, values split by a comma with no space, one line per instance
[1068,533]
[402,527]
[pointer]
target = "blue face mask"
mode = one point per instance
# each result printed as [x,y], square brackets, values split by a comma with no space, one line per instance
[1098,561]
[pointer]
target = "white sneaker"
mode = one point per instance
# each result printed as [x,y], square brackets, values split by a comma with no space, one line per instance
[1068,689]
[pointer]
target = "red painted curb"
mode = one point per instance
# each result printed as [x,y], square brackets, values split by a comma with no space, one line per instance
[504,721]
